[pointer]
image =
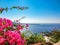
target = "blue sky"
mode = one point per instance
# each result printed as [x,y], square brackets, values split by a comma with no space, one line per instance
[40,11]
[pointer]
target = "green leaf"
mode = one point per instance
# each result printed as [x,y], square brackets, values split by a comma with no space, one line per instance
[0,11]
[10,8]
[14,7]
[26,7]
[6,9]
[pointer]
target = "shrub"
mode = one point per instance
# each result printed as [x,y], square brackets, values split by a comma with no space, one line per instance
[35,38]
[55,35]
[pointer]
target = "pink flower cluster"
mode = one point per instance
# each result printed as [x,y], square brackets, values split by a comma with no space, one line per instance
[9,34]
[5,23]
[2,40]
[13,37]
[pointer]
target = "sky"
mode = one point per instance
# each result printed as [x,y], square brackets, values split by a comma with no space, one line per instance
[39,11]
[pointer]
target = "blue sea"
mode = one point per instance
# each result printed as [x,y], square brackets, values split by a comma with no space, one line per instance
[38,28]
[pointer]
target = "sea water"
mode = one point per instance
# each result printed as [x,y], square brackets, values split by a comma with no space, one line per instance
[38,28]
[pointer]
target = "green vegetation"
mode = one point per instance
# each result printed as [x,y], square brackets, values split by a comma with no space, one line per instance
[33,38]
[55,35]
[13,7]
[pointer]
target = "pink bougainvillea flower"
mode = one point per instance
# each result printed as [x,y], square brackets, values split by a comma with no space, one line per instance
[19,27]
[2,40]
[0,21]
[17,20]
[1,29]
[20,42]
[27,25]
[10,23]
[7,23]
[14,37]
[8,34]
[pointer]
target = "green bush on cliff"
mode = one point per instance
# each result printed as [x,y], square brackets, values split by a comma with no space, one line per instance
[55,35]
